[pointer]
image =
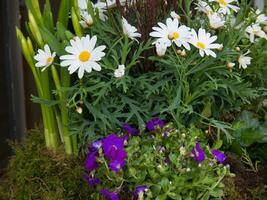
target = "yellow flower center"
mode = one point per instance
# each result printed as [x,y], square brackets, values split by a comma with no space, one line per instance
[200,45]
[222,2]
[174,35]
[84,56]
[49,60]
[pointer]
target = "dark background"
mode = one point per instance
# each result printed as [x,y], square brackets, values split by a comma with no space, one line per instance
[17,112]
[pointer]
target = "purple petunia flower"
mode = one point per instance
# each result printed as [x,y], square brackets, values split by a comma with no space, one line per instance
[140,189]
[109,195]
[90,162]
[199,154]
[219,156]
[91,181]
[154,123]
[113,147]
[95,146]
[130,130]
[116,165]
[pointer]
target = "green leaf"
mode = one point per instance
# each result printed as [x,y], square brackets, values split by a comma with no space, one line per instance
[64,10]
[48,16]
[52,41]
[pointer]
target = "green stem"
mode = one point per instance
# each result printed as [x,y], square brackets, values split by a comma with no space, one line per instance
[50,116]
[65,82]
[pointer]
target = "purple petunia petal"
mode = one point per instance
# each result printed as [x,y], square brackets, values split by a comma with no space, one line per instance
[199,154]
[109,195]
[91,181]
[219,156]
[95,146]
[154,123]
[116,165]
[130,130]
[140,189]
[90,162]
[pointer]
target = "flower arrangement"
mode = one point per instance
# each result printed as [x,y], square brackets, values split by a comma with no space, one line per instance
[160,163]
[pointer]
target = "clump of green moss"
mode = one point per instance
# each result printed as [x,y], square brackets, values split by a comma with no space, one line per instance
[36,173]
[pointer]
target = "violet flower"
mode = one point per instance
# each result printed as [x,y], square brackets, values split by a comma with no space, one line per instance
[113,148]
[109,195]
[95,146]
[219,156]
[90,162]
[140,189]
[116,165]
[154,123]
[199,154]
[130,129]
[114,151]
[91,181]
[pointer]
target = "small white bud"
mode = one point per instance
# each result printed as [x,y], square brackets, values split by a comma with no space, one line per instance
[79,110]
[188,169]
[183,53]
[237,49]
[174,15]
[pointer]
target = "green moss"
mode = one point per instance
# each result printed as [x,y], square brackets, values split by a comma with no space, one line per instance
[36,173]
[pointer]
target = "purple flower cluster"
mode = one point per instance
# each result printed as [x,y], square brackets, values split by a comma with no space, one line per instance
[199,154]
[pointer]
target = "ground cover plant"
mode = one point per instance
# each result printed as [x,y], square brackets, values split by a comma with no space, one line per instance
[102,65]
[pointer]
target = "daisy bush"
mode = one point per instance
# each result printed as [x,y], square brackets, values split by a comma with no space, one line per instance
[159,163]
[102,63]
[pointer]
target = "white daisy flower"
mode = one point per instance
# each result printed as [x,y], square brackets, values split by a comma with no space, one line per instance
[83,55]
[225,6]
[204,7]
[216,21]
[118,73]
[44,57]
[255,30]
[204,42]
[174,15]
[129,30]
[244,60]
[161,48]
[261,18]
[172,32]
[87,20]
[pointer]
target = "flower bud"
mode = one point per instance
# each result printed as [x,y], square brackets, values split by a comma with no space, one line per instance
[79,110]
[161,48]
[183,53]
[237,49]
[174,15]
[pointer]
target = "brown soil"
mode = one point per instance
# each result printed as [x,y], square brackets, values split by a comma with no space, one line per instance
[248,185]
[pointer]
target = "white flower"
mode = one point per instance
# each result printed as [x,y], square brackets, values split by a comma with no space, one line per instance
[174,15]
[161,48]
[44,57]
[204,42]
[261,18]
[204,7]
[83,4]
[225,6]
[255,30]
[83,55]
[215,20]
[172,32]
[87,19]
[120,71]
[129,30]
[244,60]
